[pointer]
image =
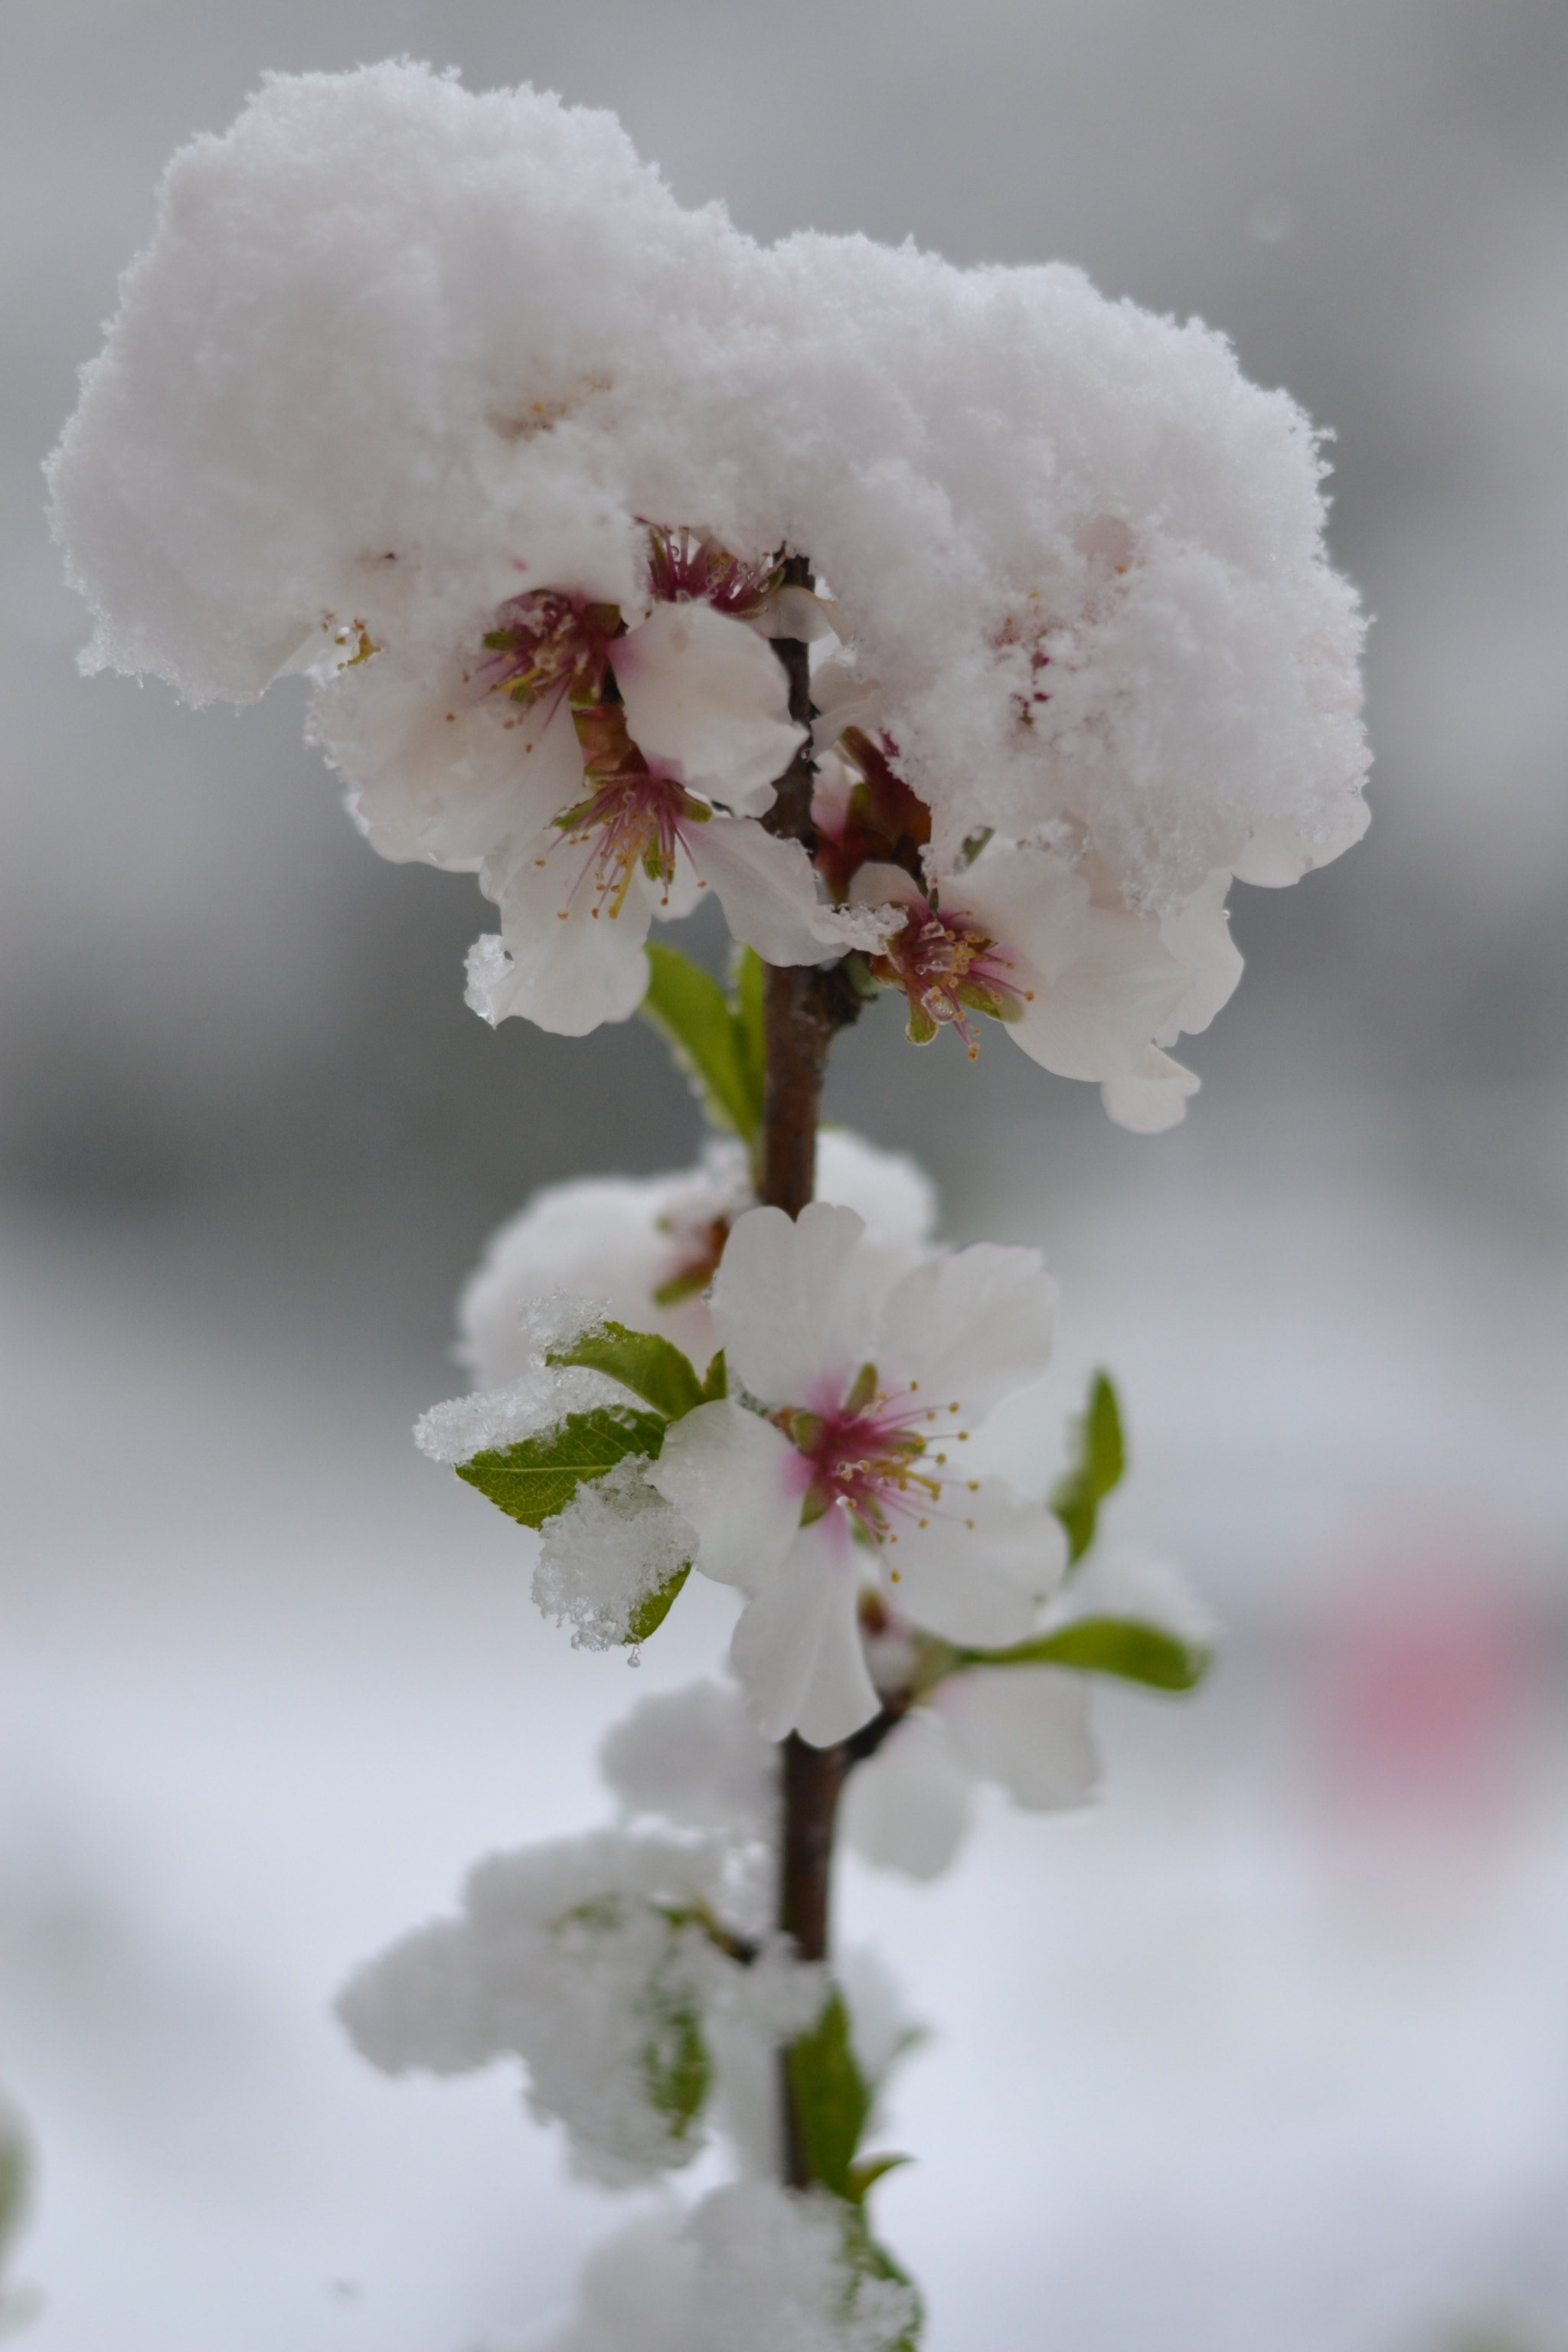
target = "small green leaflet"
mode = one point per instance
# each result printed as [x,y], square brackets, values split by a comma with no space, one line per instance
[1101,1459]
[649,1615]
[652,1368]
[716,1045]
[831,2098]
[1128,1648]
[677,2068]
[537,1478]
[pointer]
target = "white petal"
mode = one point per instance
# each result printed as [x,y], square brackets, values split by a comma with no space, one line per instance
[707,694]
[438,769]
[907,1807]
[1026,1728]
[1027,900]
[727,1471]
[574,963]
[974,1571]
[1152,1096]
[843,700]
[1198,936]
[789,1305]
[1095,1021]
[768,892]
[797,1646]
[970,1328]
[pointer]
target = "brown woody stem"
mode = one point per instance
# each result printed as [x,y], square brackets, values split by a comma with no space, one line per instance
[804,1008]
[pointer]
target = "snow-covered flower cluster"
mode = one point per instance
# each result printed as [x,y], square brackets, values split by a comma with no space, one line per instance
[635,1970]
[446,400]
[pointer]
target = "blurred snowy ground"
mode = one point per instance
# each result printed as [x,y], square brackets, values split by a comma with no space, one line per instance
[1270,2048]
[1269,2053]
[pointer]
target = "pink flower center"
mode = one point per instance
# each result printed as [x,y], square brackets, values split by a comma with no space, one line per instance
[630,823]
[685,567]
[548,645]
[948,968]
[858,1458]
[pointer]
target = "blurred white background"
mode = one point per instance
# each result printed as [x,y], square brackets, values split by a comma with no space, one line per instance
[1268,2051]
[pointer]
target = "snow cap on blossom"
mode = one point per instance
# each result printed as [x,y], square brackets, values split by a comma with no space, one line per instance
[444,398]
[838,1459]
[592,1960]
[649,1246]
[752,2264]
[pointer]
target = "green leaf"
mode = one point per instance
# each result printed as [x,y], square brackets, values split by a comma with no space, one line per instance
[830,2097]
[711,1043]
[652,1368]
[1101,1460]
[716,1386]
[868,2259]
[748,983]
[534,1479]
[677,2068]
[1124,1646]
[650,1613]
[863,2175]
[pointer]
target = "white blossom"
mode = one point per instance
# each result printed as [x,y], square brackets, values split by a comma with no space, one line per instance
[649,1247]
[1023,1727]
[850,1468]
[753,2265]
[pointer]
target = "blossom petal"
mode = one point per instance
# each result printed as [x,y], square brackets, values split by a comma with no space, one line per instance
[707,695]
[769,895]
[1096,1019]
[574,962]
[976,1568]
[797,1646]
[1198,936]
[438,768]
[1152,1096]
[1026,1728]
[789,1304]
[969,1329]
[727,1471]
[908,1806]
[1027,900]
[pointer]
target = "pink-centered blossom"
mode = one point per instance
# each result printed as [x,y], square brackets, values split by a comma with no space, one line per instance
[839,1459]
[1085,988]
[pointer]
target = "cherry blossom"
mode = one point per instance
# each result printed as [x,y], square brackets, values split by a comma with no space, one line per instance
[844,1466]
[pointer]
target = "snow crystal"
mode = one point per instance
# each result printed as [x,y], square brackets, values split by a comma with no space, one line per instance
[396,348]
[615,1543]
[537,1396]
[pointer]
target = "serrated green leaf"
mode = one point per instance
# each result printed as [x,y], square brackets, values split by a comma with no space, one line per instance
[709,1041]
[716,1383]
[650,1613]
[653,1368]
[830,2097]
[868,2259]
[537,1478]
[1102,1462]
[1127,1647]
[14,2173]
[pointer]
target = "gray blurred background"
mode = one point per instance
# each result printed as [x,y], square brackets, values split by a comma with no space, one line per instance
[1271,2048]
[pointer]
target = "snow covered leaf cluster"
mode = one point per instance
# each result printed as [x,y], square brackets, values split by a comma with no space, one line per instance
[446,400]
[753,2264]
